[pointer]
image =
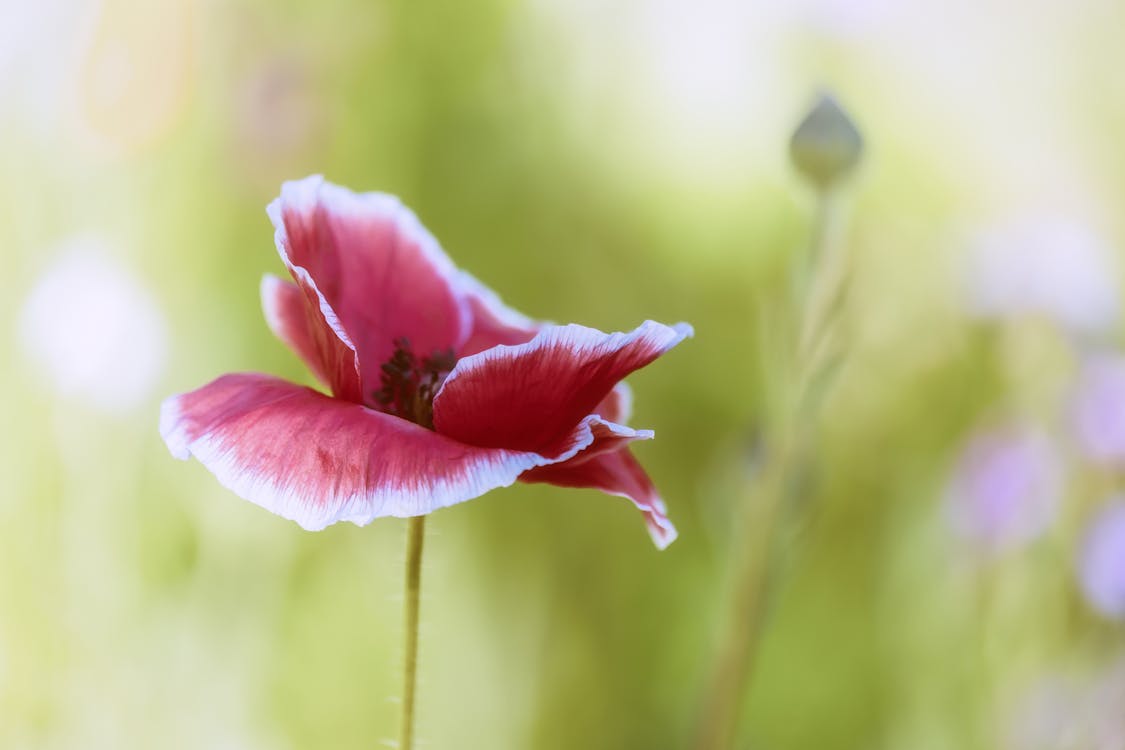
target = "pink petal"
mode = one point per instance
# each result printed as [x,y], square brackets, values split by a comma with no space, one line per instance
[318,460]
[380,274]
[616,473]
[494,323]
[618,405]
[592,437]
[300,324]
[530,396]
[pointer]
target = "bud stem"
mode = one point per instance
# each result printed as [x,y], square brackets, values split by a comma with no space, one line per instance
[818,282]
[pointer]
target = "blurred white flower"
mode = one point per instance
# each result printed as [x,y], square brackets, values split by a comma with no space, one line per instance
[858,20]
[675,86]
[1049,267]
[1060,713]
[1101,564]
[39,50]
[1005,487]
[93,328]
[1107,708]
[1044,717]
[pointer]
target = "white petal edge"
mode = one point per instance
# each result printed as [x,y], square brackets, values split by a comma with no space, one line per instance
[497,469]
[268,291]
[305,194]
[579,338]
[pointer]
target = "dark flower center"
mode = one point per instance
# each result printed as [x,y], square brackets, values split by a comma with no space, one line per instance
[408,386]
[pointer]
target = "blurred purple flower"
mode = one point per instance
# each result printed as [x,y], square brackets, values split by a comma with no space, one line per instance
[1101,565]
[1052,267]
[1005,487]
[1098,409]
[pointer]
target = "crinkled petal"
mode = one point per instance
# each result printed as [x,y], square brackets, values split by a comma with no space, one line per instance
[617,473]
[283,304]
[299,315]
[618,405]
[300,325]
[493,322]
[318,460]
[594,436]
[380,274]
[526,397]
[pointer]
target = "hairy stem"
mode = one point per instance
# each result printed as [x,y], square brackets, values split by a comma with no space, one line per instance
[755,570]
[415,535]
[816,286]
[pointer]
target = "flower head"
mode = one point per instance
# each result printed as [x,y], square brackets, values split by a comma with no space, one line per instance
[1049,267]
[1098,409]
[1005,487]
[1068,711]
[438,392]
[1101,566]
[93,327]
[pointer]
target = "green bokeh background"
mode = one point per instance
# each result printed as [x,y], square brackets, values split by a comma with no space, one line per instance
[142,605]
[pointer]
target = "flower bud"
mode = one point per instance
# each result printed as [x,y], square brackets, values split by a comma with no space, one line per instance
[826,146]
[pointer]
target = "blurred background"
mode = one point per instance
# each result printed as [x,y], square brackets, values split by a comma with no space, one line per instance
[957,577]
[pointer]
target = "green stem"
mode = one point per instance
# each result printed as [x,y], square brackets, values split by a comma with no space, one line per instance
[814,291]
[756,569]
[415,535]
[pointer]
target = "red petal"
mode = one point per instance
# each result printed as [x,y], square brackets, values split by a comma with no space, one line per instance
[617,473]
[318,460]
[380,273]
[494,323]
[299,323]
[592,437]
[529,396]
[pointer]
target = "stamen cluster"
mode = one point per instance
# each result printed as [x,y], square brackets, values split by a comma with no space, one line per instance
[408,386]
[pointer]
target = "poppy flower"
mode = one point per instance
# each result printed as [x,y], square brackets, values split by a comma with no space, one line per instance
[438,392]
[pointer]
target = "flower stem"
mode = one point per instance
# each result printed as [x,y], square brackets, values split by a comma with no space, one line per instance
[415,535]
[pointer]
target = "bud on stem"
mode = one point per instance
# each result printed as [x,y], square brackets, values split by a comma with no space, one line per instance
[826,146]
